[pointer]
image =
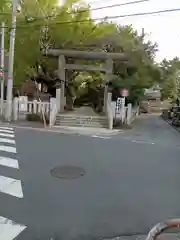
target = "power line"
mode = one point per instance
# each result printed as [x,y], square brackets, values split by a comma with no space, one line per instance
[86,10]
[81,11]
[114,5]
[108,17]
[98,1]
[104,18]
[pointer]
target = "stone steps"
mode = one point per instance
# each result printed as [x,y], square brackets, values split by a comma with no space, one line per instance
[154,106]
[81,121]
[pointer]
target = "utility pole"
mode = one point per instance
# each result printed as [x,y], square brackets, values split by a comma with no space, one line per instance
[11,62]
[2,67]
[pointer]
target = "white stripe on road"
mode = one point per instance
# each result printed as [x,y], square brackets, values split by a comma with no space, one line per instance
[143,142]
[9,162]
[102,137]
[6,131]
[8,149]
[8,128]
[6,140]
[9,230]
[6,135]
[11,186]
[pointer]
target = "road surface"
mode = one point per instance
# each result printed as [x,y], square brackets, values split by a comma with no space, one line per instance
[131,182]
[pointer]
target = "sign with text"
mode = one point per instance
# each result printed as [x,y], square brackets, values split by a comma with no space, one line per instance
[124,92]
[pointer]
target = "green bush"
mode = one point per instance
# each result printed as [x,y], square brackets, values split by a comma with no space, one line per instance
[33,117]
[36,118]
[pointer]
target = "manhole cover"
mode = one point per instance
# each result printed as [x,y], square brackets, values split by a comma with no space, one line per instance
[67,172]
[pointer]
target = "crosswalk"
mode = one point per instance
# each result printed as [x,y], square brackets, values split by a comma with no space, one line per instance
[9,230]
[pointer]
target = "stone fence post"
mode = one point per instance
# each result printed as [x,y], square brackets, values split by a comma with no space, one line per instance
[15,109]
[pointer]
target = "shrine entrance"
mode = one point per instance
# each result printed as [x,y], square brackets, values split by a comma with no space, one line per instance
[63,65]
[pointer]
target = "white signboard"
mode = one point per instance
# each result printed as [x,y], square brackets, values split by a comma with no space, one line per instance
[23,102]
[119,103]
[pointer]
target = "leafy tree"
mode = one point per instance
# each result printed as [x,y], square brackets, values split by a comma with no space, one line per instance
[43,23]
[170,78]
[140,70]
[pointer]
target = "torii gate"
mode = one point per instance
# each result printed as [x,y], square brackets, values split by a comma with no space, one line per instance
[107,68]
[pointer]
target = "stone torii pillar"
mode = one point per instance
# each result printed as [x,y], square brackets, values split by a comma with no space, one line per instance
[62,76]
[108,74]
[86,55]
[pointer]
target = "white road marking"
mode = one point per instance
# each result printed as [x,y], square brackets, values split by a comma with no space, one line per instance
[143,142]
[9,230]
[7,135]
[8,128]
[102,137]
[6,131]
[9,162]
[6,140]
[11,186]
[8,149]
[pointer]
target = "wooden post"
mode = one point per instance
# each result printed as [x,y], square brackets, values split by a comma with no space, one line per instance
[109,70]
[60,92]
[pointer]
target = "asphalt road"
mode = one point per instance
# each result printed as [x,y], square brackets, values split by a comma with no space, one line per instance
[131,182]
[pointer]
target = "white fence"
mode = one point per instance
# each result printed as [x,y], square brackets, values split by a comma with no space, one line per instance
[131,113]
[124,114]
[23,107]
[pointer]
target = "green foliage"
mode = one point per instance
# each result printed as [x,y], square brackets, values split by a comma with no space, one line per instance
[170,78]
[70,26]
[31,35]
[139,71]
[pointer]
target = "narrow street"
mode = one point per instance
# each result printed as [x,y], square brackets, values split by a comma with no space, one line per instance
[129,183]
[153,130]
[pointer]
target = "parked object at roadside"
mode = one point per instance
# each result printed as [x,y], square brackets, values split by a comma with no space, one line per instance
[177,102]
[176,119]
[172,111]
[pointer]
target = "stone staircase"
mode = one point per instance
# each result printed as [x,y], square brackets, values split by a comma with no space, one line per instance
[81,121]
[153,106]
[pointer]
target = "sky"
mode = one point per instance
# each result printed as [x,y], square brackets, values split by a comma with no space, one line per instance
[161,28]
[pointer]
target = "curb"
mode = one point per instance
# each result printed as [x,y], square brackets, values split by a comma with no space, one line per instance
[63,131]
[169,123]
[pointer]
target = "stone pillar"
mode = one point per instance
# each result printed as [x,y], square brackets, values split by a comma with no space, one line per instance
[123,110]
[129,114]
[108,74]
[110,114]
[15,108]
[53,112]
[110,97]
[34,106]
[60,92]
